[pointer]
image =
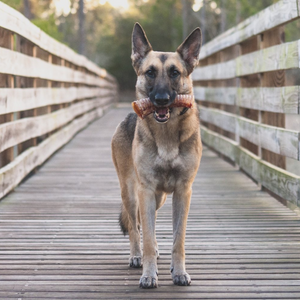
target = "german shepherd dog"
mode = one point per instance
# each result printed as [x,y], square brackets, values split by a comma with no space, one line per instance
[158,155]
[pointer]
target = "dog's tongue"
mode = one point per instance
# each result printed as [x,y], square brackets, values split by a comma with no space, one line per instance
[162,111]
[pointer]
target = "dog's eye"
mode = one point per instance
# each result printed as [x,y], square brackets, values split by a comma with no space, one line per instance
[174,73]
[150,73]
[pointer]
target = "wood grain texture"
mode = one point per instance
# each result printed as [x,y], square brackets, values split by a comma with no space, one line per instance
[278,140]
[277,99]
[277,14]
[222,95]
[279,57]
[16,132]
[225,70]
[277,180]
[18,99]
[60,237]
[15,63]
[16,22]
[219,118]
[12,174]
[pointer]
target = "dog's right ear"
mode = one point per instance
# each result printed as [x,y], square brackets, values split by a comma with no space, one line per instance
[140,45]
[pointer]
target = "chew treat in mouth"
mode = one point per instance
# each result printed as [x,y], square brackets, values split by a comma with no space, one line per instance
[145,107]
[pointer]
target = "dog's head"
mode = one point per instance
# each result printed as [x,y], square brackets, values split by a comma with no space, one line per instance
[163,75]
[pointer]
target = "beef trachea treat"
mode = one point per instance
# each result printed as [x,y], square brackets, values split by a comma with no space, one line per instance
[145,107]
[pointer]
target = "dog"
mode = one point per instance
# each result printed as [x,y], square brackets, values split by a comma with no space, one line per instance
[158,155]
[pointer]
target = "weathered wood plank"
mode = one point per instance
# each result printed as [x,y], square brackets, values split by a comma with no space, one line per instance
[277,99]
[223,95]
[225,70]
[279,57]
[14,21]
[16,132]
[12,174]
[225,146]
[18,99]
[219,118]
[277,180]
[277,14]
[278,140]
[15,63]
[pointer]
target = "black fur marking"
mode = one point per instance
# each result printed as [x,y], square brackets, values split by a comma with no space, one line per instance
[122,226]
[140,136]
[128,126]
[163,58]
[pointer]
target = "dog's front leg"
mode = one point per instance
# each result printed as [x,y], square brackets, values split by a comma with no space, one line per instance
[147,209]
[181,205]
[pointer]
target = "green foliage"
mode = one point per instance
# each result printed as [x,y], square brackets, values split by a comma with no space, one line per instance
[49,26]
[16,4]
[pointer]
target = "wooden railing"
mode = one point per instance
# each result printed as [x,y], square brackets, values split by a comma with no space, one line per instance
[244,98]
[47,94]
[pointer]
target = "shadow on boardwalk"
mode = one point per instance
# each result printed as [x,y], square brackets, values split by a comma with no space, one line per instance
[60,237]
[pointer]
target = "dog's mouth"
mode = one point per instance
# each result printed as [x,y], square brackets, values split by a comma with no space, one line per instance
[162,114]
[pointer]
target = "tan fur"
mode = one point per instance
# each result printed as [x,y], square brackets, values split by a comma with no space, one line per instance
[160,159]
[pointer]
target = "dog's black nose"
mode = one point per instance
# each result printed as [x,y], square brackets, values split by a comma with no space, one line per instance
[162,99]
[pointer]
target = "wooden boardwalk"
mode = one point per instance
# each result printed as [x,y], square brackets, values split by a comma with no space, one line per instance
[60,238]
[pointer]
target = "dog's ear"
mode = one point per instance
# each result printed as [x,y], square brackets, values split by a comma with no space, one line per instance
[189,50]
[140,45]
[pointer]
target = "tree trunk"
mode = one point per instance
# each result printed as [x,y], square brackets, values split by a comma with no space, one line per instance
[81,46]
[223,16]
[27,9]
[186,16]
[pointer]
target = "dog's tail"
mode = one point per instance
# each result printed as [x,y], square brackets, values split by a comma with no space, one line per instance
[124,220]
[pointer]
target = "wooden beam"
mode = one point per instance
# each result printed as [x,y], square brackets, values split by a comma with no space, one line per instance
[16,132]
[12,174]
[14,63]
[14,21]
[277,14]
[277,180]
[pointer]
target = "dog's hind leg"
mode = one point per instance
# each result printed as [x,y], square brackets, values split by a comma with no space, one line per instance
[129,222]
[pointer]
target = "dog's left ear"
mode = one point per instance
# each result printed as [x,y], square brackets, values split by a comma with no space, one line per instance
[189,50]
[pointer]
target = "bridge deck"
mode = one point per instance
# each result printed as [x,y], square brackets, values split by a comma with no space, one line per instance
[60,238]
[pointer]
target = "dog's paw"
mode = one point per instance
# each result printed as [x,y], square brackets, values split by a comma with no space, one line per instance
[148,282]
[182,279]
[135,262]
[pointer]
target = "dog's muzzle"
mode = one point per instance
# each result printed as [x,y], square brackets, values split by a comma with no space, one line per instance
[161,103]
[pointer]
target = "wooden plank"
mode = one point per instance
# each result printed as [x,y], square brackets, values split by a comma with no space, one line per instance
[225,70]
[16,132]
[277,180]
[225,146]
[224,95]
[279,57]
[16,63]
[12,174]
[16,22]
[277,14]
[276,99]
[278,140]
[219,118]
[18,99]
